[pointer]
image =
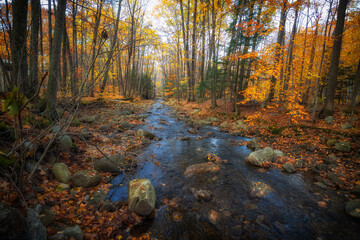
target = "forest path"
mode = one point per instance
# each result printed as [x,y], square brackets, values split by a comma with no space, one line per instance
[289,210]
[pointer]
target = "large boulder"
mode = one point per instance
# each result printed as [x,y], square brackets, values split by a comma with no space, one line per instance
[142,196]
[66,143]
[343,146]
[201,168]
[259,157]
[352,208]
[61,172]
[12,223]
[36,230]
[112,164]
[86,178]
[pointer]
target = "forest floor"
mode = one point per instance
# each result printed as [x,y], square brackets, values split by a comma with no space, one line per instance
[304,144]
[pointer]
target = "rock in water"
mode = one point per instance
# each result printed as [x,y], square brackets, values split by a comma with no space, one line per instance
[343,147]
[61,172]
[86,178]
[253,145]
[111,164]
[201,168]
[66,143]
[142,196]
[36,229]
[12,223]
[259,189]
[289,167]
[352,208]
[259,157]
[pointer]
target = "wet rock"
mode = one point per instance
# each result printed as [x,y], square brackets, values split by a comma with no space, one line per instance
[343,146]
[174,203]
[204,122]
[12,223]
[47,217]
[86,178]
[36,230]
[62,187]
[212,157]
[66,143]
[146,134]
[289,167]
[331,142]
[88,119]
[253,145]
[177,216]
[97,198]
[201,194]
[201,168]
[320,184]
[61,172]
[352,208]
[73,233]
[214,217]
[279,153]
[142,196]
[259,189]
[124,125]
[259,157]
[300,163]
[111,164]
[193,130]
[329,119]
[347,126]
[184,138]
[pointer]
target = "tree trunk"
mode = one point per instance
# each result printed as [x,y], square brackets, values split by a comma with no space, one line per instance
[74,66]
[34,43]
[356,91]
[18,46]
[54,71]
[335,57]
[112,49]
[278,48]
[193,56]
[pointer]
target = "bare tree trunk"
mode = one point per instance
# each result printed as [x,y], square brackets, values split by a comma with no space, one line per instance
[34,43]
[54,72]
[193,56]
[356,91]
[331,88]
[278,48]
[112,49]
[74,66]
[18,46]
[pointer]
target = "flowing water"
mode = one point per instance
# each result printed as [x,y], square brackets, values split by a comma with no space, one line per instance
[289,211]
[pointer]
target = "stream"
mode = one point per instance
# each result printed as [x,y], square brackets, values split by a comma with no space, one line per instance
[289,211]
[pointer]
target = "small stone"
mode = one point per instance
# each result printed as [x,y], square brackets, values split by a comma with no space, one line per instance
[278,153]
[329,119]
[214,217]
[66,143]
[86,178]
[124,125]
[61,172]
[259,157]
[331,142]
[73,233]
[62,187]
[259,189]
[47,217]
[289,167]
[97,198]
[108,206]
[331,159]
[343,146]
[347,126]
[201,168]
[253,145]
